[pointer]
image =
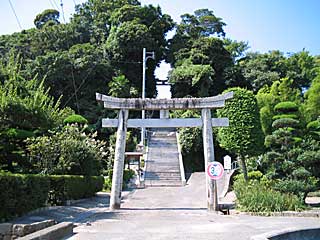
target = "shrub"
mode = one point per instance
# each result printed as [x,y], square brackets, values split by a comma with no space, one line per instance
[71,187]
[311,160]
[75,118]
[298,187]
[22,193]
[69,151]
[19,133]
[256,196]
[314,125]
[285,123]
[286,107]
[293,116]
[127,175]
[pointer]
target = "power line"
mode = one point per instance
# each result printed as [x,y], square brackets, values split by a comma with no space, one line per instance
[14,12]
[51,4]
[61,5]
[81,84]
[57,7]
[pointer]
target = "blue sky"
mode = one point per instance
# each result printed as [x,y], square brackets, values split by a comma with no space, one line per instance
[285,25]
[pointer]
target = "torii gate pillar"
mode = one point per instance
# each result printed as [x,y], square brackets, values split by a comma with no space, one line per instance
[208,149]
[115,196]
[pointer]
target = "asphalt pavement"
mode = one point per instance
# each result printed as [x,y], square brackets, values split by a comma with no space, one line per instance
[177,213]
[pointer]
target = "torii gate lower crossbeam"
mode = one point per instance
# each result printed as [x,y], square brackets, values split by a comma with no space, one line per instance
[205,104]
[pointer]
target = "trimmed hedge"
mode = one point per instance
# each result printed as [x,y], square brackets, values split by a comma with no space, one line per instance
[285,123]
[286,107]
[314,125]
[75,118]
[20,194]
[294,116]
[19,133]
[67,187]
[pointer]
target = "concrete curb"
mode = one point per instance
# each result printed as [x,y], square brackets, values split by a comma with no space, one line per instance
[284,214]
[56,232]
[289,233]
[12,231]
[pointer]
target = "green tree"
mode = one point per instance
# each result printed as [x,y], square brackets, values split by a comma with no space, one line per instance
[203,23]
[191,79]
[263,69]
[268,97]
[300,67]
[119,87]
[26,109]
[235,48]
[206,60]
[283,140]
[312,100]
[48,17]
[243,137]
[288,159]
[132,29]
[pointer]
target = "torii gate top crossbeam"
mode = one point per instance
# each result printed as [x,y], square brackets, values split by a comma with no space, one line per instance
[162,104]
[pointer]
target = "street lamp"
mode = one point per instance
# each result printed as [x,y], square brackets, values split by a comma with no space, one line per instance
[145,57]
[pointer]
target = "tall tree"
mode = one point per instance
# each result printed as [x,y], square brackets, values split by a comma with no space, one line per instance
[203,23]
[243,137]
[312,102]
[48,17]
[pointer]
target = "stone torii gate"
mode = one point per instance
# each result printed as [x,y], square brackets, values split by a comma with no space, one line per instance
[122,123]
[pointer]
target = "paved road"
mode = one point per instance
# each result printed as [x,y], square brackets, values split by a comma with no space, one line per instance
[178,213]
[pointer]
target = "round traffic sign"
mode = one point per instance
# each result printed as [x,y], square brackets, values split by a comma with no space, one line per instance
[215,170]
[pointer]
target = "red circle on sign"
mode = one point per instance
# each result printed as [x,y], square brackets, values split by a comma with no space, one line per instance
[215,170]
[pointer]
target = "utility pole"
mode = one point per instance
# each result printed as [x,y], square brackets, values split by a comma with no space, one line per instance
[145,56]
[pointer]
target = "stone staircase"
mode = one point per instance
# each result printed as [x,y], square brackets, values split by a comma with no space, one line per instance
[162,163]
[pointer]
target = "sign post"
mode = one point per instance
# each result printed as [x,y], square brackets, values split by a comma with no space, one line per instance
[214,172]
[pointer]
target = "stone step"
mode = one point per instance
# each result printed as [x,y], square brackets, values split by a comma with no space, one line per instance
[163,168]
[162,174]
[161,177]
[164,183]
[162,164]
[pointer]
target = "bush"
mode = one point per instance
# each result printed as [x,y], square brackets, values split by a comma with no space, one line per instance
[69,151]
[311,159]
[293,116]
[300,188]
[75,118]
[70,187]
[256,196]
[285,123]
[20,194]
[286,107]
[19,133]
[314,125]
[127,175]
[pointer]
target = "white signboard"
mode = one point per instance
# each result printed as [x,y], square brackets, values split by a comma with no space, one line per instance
[227,162]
